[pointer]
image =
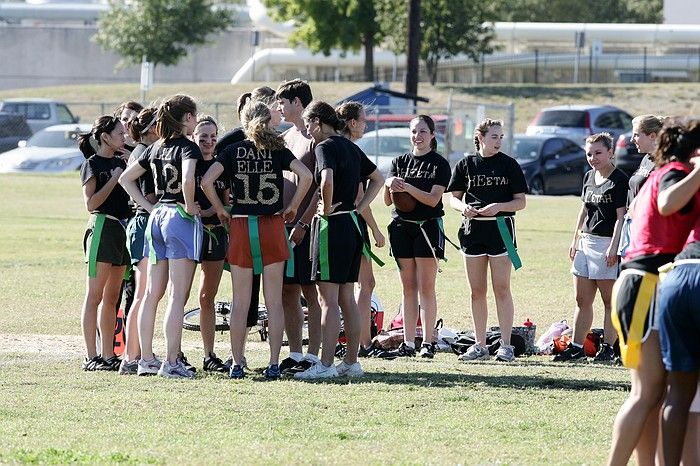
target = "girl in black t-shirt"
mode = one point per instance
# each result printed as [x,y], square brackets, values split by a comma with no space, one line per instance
[258,241]
[416,237]
[593,249]
[487,188]
[174,230]
[336,240]
[105,239]
[214,241]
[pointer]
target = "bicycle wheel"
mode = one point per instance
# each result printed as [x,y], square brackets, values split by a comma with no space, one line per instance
[190,321]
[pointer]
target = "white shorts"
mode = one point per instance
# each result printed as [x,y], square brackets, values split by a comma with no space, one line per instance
[589,261]
[695,405]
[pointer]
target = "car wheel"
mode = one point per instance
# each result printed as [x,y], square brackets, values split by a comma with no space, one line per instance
[537,186]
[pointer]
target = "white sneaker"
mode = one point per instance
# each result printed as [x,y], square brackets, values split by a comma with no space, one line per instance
[349,370]
[474,353]
[505,353]
[317,371]
[148,367]
[174,371]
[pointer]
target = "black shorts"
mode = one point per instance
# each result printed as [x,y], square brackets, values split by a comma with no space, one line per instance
[344,250]
[482,238]
[302,261]
[214,243]
[112,248]
[408,241]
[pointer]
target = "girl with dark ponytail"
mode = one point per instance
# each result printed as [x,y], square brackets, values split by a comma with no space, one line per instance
[415,186]
[105,239]
[173,233]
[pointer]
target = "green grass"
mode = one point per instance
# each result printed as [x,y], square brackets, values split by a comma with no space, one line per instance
[439,412]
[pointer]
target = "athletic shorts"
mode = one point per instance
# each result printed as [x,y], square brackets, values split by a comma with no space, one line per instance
[482,238]
[679,319]
[589,261]
[408,240]
[136,237]
[634,312]
[344,253]
[301,257]
[172,235]
[214,243]
[624,236]
[112,247]
[273,241]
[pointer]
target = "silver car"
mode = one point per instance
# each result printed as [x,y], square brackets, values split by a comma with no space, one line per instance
[577,122]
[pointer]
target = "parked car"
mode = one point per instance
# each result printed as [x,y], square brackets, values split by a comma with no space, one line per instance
[53,149]
[40,113]
[13,128]
[577,122]
[551,164]
[627,157]
[383,145]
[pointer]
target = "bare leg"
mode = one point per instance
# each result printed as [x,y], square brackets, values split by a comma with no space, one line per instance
[476,268]
[351,320]
[133,348]
[674,420]
[242,280]
[500,281]
[636,423]
[94,287]
[108,309]
[609,332]
[330,319]
[426,273]
[273,276]
[293,317]
[584,290]
[363,296]
[409,300]
[157,282]
[208,287]
[180,274]
[691,445]
[314,317]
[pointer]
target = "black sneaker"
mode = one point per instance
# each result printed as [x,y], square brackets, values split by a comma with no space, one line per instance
[370,352]
[183,359]
[300,367]
[214,364]
[109,364]
[571,353]
[427,350]
[90,365]
[406,351]
[606,354]
[288,363]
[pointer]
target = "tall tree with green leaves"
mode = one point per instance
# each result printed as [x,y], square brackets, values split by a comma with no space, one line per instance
[448,28]
[349,25]
[159,31]
[575,11]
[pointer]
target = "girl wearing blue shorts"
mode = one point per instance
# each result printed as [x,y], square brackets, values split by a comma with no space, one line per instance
[173,232]
[105,239]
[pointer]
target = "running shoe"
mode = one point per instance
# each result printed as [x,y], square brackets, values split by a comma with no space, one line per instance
[288,363]
[505,353]
[571,353]
[175,371]
[214,364]
[372,351]
[129,367]
[229,363]
[183,359]
[301,366]
[90,365]
[427,350]
[150,367]
[110,364]
[236,372]
[475,352]
[272,372]
[606,354]
[318,371]
[349,370]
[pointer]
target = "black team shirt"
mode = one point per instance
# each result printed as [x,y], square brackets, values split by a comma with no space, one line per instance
[487,180]
[165,159]
[422,172]
[200,197]
[255,177]
[100,168]
[602,201]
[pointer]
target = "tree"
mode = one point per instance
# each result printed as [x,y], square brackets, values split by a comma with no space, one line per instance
[159,31]
[448,28]
[326,24]
[575,11]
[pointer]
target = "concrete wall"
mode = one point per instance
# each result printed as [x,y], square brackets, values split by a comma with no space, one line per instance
[50,56]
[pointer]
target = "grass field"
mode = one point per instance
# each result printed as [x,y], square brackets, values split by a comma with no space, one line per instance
[439,412]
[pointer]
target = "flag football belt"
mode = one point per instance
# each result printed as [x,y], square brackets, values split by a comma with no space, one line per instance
[152,258]
[95,243]
[420,224]
[505,236]
[324,264]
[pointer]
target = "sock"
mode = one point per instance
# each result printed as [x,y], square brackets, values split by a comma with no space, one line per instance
[296,356]
[410,344]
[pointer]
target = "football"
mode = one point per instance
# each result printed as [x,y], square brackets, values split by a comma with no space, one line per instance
[403,201]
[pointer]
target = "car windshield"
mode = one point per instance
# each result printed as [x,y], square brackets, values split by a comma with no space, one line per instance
[526,149]
[562,118]
[53,139]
